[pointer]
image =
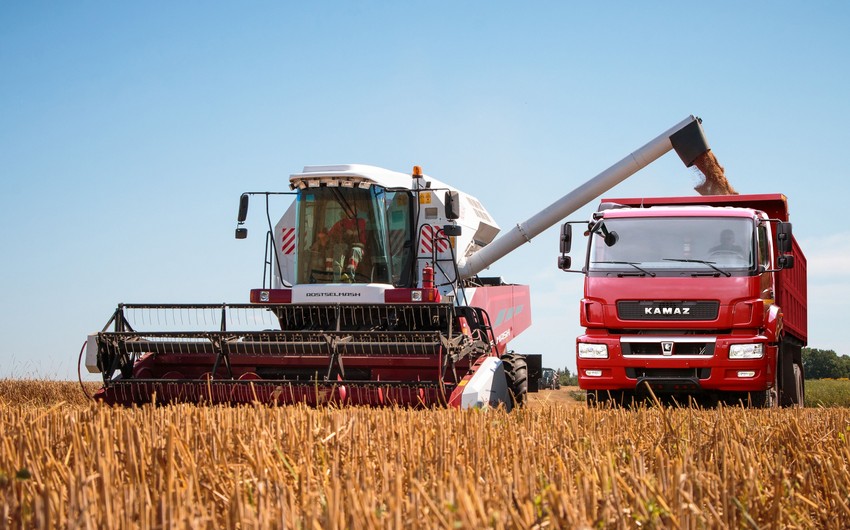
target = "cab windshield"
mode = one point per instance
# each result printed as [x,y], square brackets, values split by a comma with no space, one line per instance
[673,245]
[353,235]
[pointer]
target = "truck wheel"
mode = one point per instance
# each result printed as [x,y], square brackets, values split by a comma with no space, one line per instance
[799,386]
[791,379]
[516,372]
[609,398]
[761,400]
[595,398]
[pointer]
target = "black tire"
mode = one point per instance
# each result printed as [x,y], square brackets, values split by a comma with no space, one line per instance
[798,389]
[610,398]
[791,389]
[516,373]
[597,398]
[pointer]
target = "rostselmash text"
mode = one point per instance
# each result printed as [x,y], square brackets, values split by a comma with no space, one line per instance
[332,294]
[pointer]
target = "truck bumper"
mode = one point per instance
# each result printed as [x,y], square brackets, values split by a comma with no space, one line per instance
[676,372]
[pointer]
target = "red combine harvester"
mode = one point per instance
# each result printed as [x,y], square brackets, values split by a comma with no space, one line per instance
[692,296]
[371,296]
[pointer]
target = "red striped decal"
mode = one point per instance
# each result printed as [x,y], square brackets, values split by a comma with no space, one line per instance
[429,233]
[287,241]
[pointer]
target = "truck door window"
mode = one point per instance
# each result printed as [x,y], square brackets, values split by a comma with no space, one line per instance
[764,246]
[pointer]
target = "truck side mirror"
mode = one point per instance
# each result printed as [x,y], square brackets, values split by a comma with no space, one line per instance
[452,205]
[783,237]
[786,261]
[564,263]
[241,232]
[566,237]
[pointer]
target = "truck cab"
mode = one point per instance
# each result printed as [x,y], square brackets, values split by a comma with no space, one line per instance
[692,296]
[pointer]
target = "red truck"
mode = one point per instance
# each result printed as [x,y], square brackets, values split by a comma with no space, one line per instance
[701,296]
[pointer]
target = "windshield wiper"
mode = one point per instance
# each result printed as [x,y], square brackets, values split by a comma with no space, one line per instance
[709,263]
[635,265]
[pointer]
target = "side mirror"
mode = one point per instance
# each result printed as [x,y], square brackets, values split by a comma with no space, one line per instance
[564,263]
[452,230]
[786,261]
[783,237]
[241,232]
[243,208]
[566,237]
[452,204]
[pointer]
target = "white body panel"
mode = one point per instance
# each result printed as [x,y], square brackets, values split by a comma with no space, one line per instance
[488,387]
[336,293]
[91,354]
[285,248]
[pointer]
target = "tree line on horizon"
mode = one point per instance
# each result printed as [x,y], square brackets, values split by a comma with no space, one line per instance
[825,364]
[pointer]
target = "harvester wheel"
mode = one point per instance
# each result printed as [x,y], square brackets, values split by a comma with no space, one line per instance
[516,372]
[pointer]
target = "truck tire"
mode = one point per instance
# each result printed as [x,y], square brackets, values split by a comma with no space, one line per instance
[610,398]
[799,389]
[791,390]
[516,372]
[597,398]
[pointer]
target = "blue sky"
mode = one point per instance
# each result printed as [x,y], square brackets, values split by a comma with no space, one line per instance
[128,130]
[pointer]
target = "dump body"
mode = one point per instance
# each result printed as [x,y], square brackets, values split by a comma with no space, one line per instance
[669,306]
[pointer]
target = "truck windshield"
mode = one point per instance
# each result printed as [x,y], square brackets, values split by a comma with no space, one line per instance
[656,245]
[352,235]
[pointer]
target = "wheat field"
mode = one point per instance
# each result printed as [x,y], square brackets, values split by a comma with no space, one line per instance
[68,463]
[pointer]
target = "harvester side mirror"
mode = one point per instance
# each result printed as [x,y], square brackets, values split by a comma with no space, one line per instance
[566,237]
[783,237]
[241,232]
[452,230]
[243,208]
[564,263]
[452,204]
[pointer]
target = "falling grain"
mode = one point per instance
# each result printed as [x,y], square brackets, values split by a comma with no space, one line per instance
[714,177]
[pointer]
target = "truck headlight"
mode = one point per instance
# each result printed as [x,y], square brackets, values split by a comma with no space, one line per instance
[746,351]
[592,351]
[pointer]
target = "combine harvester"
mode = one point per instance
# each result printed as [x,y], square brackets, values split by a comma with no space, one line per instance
[370,296]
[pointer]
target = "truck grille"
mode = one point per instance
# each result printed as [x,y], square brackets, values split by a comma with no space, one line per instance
[667,348]
[667,310]
[668,373]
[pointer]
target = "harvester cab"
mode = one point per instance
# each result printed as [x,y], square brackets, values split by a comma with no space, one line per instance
[385,235]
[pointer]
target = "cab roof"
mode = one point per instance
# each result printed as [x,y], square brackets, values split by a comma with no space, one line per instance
[357,175]
[775,205]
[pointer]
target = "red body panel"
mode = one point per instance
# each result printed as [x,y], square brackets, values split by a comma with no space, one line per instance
[509,307]
[792,296]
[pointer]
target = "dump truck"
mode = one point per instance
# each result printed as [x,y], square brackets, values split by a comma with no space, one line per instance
[371,294]
[691,297]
